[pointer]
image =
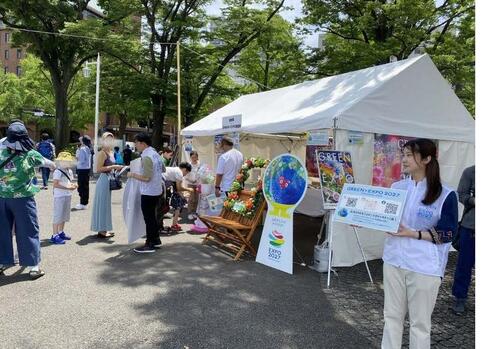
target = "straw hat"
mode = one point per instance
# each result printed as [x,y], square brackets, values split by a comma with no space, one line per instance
[65,156]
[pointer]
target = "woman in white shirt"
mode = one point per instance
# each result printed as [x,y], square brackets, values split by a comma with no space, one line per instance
[415,257]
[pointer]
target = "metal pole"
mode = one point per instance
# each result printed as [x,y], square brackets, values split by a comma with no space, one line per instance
[178,93]
[363,254]
[96,118]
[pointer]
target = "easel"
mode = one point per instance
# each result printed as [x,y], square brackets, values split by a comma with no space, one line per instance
[331,214]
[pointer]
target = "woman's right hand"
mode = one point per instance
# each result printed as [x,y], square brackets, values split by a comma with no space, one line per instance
[116,167]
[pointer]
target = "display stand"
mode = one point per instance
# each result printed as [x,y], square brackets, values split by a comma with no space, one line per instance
[331,214]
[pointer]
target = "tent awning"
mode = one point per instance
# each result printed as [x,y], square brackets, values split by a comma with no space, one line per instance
[408,98]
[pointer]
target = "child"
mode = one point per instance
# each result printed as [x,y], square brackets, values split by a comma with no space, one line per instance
[62,196]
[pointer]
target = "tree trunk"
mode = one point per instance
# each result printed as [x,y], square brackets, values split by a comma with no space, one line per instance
[158,118]
[123,125]
[62,116]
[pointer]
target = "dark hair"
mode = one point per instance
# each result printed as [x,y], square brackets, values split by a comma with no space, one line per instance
[144,138]
[426,147]
[45,136]
[117,148]
[194,152]
[226,140]
[167,149]
[185,165]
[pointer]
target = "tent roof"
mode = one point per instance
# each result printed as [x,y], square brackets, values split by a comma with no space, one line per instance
[407,98]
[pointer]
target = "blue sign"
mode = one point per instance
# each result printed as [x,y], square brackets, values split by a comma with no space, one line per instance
[371,207]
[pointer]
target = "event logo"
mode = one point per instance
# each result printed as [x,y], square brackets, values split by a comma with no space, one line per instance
[343,212]
[276,239]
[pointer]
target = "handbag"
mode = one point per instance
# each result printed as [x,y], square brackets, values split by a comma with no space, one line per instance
[115,182]
[455,242]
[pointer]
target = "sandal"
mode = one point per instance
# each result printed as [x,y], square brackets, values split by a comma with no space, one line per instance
[35,274]
[107,236]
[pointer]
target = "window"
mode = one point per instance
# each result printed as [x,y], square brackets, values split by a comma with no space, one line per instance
[6,54]
[5,70]
[19,53]
[19,71]
[7,37]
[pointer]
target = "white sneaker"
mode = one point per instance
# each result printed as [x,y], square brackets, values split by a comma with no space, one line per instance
[191,216]
[80,207]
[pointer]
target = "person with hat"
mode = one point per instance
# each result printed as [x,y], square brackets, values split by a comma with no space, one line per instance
[228,166]
[18,160]
[84,158]
[63,188]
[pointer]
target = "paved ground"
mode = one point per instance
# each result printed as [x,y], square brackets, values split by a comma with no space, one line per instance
[101,295]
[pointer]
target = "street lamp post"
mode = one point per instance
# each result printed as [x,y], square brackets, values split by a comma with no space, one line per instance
[86,73]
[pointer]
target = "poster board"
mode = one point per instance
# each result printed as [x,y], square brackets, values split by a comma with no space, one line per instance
[387,155]
[371,207]
[335,170]
[284,186]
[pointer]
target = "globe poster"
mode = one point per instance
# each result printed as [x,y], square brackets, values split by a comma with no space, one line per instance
[284,187]
[335,170]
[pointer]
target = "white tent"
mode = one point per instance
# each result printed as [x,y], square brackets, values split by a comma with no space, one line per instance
[406,98]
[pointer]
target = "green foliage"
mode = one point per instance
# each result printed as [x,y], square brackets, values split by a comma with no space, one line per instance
[363,33]
[275,59]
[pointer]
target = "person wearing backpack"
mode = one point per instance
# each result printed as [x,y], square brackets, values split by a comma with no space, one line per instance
[47,150]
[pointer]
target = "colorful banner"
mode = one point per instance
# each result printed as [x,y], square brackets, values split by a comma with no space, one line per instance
[335,170]
[284,186]
[387,154]
[311,161]
[371,207]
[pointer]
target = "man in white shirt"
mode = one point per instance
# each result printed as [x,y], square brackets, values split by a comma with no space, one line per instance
[228,166]
[151,188]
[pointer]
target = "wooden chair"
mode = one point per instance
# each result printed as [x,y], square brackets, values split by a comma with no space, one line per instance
[232,231]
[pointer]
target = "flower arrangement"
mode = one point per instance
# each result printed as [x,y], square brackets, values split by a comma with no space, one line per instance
[246,207]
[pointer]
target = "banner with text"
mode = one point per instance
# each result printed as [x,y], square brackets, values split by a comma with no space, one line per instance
[371,207]
[335,170]
[284,186]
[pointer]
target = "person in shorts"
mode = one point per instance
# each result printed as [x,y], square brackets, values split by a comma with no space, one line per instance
[174,176]
[63,188]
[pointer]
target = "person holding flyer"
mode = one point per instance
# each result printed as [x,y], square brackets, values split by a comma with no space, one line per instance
[415,257]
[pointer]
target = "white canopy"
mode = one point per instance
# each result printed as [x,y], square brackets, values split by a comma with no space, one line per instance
[407,98]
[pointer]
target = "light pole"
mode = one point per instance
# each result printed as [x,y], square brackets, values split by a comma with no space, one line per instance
[86,73]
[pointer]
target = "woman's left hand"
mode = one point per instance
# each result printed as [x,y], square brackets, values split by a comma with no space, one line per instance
[404,231]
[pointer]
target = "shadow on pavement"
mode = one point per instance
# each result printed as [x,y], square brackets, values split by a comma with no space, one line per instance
[19,276]
[206,300]
[92,239]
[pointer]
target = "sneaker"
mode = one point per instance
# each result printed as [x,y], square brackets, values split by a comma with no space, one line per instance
[191,216]
[80,207]
[64,236]
[176,227]
[157,244]
[145,249]
[56,239]
[459,306]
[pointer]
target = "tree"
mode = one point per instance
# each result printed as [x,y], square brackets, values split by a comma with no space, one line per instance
[275,59]
[172,21]
[62,56]
[33,90]
[363,33]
